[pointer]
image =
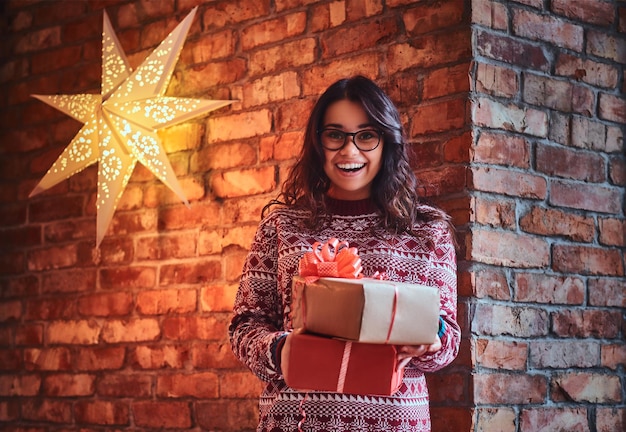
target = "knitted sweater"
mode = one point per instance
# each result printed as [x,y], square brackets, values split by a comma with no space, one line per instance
[262,316]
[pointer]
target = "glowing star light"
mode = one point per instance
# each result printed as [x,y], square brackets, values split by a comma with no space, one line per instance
[120,124]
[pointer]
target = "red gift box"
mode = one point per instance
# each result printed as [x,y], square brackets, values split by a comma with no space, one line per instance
[317,363]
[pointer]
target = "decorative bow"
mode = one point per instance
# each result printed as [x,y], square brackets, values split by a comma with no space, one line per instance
[331,259]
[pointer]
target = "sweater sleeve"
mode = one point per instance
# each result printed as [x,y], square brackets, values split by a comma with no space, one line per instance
[257,322]
[443,274]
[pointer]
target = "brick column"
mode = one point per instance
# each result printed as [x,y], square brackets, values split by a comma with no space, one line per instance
[547,236]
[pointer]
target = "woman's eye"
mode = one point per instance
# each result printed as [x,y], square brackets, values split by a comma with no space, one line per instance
[366,136]
[335,135]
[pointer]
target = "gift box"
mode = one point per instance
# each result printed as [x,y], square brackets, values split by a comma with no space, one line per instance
[366,310]
[316,363]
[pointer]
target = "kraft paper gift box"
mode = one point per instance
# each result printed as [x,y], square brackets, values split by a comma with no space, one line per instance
[317,363]
[366,310]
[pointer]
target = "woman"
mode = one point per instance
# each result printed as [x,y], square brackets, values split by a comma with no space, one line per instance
[353,182]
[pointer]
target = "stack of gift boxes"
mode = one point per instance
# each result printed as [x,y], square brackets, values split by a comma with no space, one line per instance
[347,327]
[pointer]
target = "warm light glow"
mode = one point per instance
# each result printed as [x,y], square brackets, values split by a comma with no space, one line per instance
[120,124]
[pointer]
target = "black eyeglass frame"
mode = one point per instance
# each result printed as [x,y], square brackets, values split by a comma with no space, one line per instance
[350,134]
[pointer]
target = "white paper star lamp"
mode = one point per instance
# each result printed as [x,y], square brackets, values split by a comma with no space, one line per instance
[120,123]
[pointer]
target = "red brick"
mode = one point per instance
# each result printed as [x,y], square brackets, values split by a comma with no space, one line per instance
[495,115]
[564,354]
[126,277]
[496,320]
[100,358]
[439,117]
[357,9]
[584,196]
[502,355]
[612,232]
[492,284]
[617,171]
[223,156]
[274,30]
[512,51]
[106,304]
[125,385]
[133,330]
[50,309]
[426,18]
[553,222]
[508,182]
[170,414]
[594,73]
[214,355]
[441,181]
[218,15]
[547,28]
[55,208]
[270,89]
[47,359]
[570,419]
[557,94]
[502,149]
[245,182]
[12,263]
[240,385]
[20,385]
[605,45]
[10,359]
[587,260]
[355,38]
[607,292]
[447,387]
[228,414]
[496,81]
[160,357]
[585,323]
[613,356]
[317,78]
[502,388]
[163,302]
[190,272]
[29,334]
[191,328]
[288,55]
[429,51]
[594,12]
[610,419]
[202,385]
[572,164]
[612,108]
[490,14]
[542,288]
[451,419]
[492,419]
[102,412]
[494,212]
[74,385]
[509,249]
[10,311]
[47,410]
[80,332]
[586,387]
[218,298]
[228,127]
[221,72]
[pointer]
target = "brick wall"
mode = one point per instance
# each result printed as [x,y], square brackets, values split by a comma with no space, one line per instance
[547,235]
[106,340]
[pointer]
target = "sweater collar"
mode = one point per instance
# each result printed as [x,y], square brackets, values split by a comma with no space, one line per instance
[350,208]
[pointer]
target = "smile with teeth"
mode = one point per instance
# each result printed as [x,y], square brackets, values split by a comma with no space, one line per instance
[350,166]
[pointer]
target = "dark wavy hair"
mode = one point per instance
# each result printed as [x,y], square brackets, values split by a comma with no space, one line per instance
[394,189]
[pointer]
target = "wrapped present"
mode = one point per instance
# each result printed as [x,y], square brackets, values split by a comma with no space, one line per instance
[366,310]
[316,363]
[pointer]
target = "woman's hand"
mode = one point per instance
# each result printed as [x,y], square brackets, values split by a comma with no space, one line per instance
[407,352]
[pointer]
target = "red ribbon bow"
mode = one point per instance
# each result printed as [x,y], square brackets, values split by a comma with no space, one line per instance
[331,259]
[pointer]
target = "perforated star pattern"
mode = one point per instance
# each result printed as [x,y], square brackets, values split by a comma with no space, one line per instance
[120,124]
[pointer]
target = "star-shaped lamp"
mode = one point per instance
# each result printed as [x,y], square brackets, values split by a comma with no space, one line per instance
[120,124]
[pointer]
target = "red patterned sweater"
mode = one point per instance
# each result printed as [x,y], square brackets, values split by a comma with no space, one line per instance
[262,316]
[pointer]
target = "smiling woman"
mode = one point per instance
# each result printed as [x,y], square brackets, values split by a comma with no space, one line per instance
[353,182]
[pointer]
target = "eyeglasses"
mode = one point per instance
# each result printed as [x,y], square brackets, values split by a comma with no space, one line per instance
[365,140]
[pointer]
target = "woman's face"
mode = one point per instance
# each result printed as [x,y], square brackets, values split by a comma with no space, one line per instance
[350,170]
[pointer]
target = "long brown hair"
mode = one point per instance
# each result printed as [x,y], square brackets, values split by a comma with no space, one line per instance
[394,189]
